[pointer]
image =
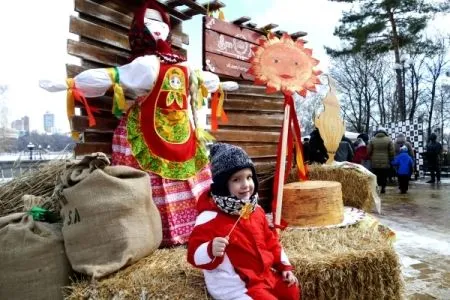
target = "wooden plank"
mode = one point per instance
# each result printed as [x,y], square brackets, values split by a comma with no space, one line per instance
[268,27]
[261,151]
[298,34]
[254,90]
[227,66]
[129,6]
[104,56]
[191,4]
[241,20]
[103,103]
[263,166]
[280,32]
[81,124]
[99,33]
[255,96]
[109,36]
[96,137]
[96,54]
[173,3]
[252,151]
[226,45]
[212,6]
[73,70]
[115,17]
[82,149]
[231,30]
[227,135]
[175,13]
[254,104]
[103,13]
[253,120]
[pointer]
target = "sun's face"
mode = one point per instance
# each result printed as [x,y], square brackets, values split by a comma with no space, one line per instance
[285,65]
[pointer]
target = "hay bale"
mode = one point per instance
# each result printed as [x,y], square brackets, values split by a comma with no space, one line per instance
[163,275]
[357,187]
[349,263]
[38,182]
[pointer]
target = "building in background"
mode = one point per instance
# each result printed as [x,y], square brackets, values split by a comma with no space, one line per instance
[26,124]
[22,125]
[49,122]
[17,125]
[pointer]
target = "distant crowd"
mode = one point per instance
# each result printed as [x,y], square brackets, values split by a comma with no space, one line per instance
[380,154]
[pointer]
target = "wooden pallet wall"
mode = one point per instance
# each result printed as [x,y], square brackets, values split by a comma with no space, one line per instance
[255,120]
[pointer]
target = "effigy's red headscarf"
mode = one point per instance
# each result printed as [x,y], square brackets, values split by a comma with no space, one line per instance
[141,40]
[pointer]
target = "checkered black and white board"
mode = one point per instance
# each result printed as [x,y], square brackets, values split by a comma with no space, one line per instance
[414,134]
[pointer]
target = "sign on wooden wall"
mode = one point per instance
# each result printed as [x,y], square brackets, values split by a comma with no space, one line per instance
[227,48]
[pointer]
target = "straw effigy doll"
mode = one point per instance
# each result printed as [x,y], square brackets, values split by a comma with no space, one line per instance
[156,134]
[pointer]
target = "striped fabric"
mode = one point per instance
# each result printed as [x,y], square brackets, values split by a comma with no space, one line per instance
[176,199]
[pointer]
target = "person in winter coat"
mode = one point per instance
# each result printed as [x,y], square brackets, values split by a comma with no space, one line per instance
[381,153]
[400,141]
[404,166]
[345,151]
[317,151]
[360,152]
[364,137]
[434,151]
[241,258]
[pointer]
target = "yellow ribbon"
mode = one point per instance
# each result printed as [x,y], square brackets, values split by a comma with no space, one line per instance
[119,104]
[70,99]
[70,104]
[221,99]
[221,15]
[202,91]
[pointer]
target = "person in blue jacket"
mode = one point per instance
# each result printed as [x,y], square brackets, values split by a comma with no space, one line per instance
[404,166]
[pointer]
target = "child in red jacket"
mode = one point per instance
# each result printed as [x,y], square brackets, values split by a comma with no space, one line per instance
[245,261]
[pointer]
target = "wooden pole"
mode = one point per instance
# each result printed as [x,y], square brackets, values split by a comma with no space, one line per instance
[284,138]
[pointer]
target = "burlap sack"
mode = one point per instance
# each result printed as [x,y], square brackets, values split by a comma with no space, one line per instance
[33,264]
[110,219]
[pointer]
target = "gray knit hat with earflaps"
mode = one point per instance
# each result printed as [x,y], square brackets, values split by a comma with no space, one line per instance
[226,160]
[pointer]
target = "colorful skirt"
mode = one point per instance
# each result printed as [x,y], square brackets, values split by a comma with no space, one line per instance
[176,199]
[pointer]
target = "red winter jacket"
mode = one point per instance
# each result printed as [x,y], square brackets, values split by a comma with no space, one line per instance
[360,155]
[252,251]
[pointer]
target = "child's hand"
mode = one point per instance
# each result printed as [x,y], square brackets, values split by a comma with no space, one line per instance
[289,277]
[218,246]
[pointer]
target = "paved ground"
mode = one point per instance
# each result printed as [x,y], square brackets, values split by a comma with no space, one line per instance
[421,220]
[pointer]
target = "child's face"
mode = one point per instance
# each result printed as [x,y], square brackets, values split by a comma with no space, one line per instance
[241,184]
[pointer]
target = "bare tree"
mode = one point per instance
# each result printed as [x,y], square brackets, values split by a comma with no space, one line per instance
[435,67]
[366,90]
[308,107]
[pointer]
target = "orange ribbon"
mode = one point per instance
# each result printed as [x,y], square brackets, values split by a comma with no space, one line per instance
[217,111]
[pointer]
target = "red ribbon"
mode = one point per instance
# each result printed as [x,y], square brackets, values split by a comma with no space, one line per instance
[78,96]
[294,139]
